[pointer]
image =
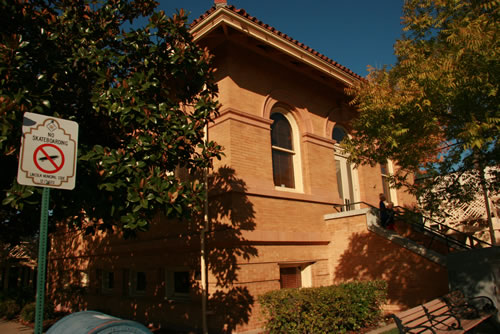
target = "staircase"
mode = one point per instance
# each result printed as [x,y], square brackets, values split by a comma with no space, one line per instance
[421,235]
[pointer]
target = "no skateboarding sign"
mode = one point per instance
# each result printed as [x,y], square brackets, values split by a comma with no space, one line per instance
[48,152]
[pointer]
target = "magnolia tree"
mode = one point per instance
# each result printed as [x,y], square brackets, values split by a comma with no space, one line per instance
[141,95]
[436,112]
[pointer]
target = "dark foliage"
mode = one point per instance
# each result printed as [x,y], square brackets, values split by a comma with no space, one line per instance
[331,309]
[141,96]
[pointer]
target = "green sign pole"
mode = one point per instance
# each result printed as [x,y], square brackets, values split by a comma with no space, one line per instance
[42,263]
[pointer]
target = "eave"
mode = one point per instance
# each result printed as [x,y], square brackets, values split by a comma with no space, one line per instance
[229,17]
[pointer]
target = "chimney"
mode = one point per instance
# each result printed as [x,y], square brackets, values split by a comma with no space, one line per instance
[220,3]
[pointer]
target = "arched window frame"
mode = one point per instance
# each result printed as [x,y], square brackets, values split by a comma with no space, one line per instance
[296,155]
[340,127]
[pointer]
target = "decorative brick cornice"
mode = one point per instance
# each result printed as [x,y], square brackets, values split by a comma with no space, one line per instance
[318,140]
[243,117]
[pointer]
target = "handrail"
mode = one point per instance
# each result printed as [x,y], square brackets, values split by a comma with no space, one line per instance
[421,225]
[445,228]
[351,204]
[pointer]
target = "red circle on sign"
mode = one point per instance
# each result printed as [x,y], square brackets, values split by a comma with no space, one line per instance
[48,157]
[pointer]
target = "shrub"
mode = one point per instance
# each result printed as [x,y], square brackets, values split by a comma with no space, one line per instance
[332,309]
[29,311]
[20,295]
[9,309]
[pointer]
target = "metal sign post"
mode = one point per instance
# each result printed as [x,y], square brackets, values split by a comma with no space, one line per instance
[42,263]
[48,160]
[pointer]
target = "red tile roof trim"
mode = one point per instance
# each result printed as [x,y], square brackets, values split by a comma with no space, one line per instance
[244,14]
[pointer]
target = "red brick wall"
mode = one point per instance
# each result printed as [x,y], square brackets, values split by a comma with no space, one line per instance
[358,254]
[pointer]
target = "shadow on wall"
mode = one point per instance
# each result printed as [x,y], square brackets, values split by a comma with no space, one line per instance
[230,213]
[167,247]
[411,279]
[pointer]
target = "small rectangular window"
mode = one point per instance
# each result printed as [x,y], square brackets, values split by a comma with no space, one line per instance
[108,281]
[178,283]
[290,277]
[296,275]
[126,284]
[140,281]
[181,282]
[136,283]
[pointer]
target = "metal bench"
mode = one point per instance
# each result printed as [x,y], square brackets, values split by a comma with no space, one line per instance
[451,313]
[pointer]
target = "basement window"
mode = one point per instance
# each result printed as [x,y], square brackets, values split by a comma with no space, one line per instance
[108,281]
[178,283]
[295,275]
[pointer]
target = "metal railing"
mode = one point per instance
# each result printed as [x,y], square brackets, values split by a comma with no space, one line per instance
[347,206]
[434,230]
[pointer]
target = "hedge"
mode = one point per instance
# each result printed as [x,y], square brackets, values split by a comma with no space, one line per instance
[9,309]
[29,311]
[331,309]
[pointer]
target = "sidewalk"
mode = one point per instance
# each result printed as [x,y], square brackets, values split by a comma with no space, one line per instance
[383,329]
[13,327]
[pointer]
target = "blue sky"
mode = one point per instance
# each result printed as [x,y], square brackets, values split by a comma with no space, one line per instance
[354,33]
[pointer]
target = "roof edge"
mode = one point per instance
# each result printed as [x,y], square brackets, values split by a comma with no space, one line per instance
[240,20]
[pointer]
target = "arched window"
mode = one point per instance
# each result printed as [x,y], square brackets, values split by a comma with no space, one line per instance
[285,150]
[338,133]
[282,146]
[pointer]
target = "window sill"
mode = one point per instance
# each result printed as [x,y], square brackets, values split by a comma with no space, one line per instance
[291,194]
[138,294]
[178,299]
[291,190]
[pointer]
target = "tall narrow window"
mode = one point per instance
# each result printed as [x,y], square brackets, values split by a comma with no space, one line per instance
[340,184]
[283,151]
[344,172]
[384,171]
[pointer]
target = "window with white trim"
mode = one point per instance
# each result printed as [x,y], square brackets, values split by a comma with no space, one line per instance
[386,170]
[346,175]
[285,150]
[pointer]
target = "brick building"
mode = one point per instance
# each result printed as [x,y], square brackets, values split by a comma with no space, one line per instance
[272,218]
